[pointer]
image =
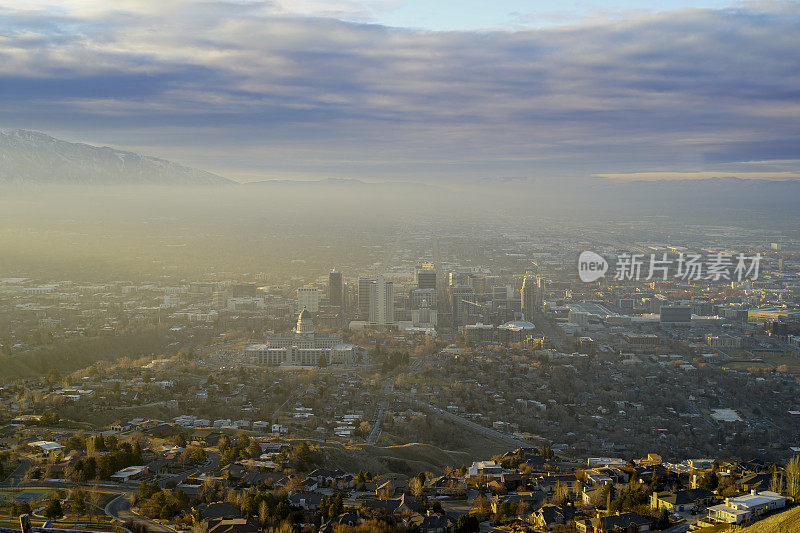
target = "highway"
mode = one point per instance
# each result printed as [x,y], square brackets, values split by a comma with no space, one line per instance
[296,394]
[388,389]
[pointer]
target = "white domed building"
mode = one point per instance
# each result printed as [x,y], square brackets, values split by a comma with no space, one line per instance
[303,347]
[515,331]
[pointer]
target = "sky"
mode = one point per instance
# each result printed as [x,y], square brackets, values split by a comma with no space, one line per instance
[413,90]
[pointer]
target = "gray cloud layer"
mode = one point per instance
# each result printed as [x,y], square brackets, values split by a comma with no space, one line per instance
[239,90]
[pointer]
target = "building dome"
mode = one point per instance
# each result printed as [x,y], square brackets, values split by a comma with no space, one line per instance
[518,325]
[305,322]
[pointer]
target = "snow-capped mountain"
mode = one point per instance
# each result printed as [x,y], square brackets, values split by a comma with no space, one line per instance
[29,157]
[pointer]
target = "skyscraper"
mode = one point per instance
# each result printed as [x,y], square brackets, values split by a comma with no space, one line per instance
[307,298]
[531,296]
[381,309]
[463,304]
[541,289]
[426,277]
[364,293]
[335,291]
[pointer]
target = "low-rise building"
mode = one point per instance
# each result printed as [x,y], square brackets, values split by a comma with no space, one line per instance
[681,500]
[743,508]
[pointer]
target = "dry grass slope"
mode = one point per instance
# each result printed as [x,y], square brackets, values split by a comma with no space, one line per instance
[407,459]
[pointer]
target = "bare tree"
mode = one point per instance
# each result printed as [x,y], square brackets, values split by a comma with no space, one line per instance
[416,486]
[793,477]
[776,483]
[95,500]
[200,527]
[561,493]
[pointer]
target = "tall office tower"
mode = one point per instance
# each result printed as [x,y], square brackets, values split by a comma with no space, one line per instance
[442,300]
[381,308]
[417,296]
[308,298]
[364,293]
[335,289]
[426,277]
[350,298]
[501,294]
[528,296]
[540,290]
[242,290]
[478,283]
[463,304]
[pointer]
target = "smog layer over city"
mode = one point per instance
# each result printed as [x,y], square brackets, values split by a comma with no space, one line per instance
[389,266]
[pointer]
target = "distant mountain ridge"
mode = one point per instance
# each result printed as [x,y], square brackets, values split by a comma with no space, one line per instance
[30,157]
[34,158]
[340,183]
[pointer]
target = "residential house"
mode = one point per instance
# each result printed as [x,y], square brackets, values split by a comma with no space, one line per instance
[309,501]
[447,486]
[681,500]
[348,519]
[233,525]
[548,517]
[219,511]
[621,523]
[130,473]
[430,523]
[485,468]
[530,498]
[745,508]
[750,482]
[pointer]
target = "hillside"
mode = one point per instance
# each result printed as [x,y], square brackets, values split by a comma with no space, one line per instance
[29,157]
[407,459]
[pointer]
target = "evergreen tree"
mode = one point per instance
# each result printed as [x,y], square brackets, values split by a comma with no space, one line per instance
[53,509]
[79,503]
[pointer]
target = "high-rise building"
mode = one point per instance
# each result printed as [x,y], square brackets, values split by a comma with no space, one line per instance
[364,295]
[307,298]
[542,289]
[478,282]
[381,308]
[335,289]
[426,277]
[418,296]
[463,304]
[501,294]
[242,290]
[530,296]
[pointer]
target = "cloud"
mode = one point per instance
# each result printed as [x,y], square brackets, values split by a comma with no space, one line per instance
[244,87]
[703,175]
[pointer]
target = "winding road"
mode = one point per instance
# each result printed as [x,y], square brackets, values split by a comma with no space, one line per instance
[120,509]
